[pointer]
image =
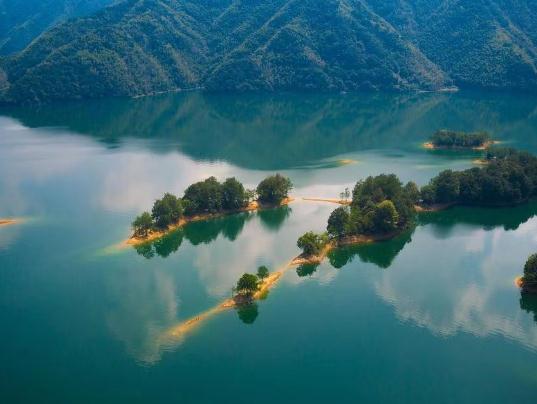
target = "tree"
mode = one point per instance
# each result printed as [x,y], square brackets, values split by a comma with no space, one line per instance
[530,270]
[311,243]
[446,186]
[142,225]
[167,210]
[412,192]
[345,195]
[385,218]
[274,189]
[262,272]
[204,197]
[338,222]
[234,196]
[248,284]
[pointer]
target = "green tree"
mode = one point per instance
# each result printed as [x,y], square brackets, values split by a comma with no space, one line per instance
[248,284]
[262,272]
[274,189]
[233,195]
[338,222]
[412,192]
[446,186]
[530,270]
[311,243]
[386,217]
[142,225]
[167,210]
[204,197]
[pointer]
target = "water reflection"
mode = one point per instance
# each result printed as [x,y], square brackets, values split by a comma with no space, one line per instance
[248,313]
[528,303]
[273,219]
[382,254]
[286,130]
[306,269]
[202,232]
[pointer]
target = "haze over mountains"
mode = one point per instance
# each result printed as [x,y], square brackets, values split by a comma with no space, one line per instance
[145,46]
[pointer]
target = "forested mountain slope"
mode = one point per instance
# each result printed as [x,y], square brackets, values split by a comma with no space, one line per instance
[21,21]
[146,46]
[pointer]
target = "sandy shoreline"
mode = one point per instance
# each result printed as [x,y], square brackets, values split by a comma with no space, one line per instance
[9,222]
[155,235]
[484,146]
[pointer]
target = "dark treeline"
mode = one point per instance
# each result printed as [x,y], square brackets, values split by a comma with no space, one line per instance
[510,177]
[449,138]
[210,197]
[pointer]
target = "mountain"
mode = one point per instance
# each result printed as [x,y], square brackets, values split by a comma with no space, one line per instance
[21,21]
[139,47]
[481,43]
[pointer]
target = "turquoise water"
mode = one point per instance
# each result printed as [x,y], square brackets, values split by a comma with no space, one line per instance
[432,315]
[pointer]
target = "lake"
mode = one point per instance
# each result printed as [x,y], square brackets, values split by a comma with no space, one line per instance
[432,315]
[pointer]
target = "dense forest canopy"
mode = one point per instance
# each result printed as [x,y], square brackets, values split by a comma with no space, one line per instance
[142,47]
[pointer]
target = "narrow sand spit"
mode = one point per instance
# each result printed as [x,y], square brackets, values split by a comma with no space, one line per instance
[177,331]
[9,222]
[329,200]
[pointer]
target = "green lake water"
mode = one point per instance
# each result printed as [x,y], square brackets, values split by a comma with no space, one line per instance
[431,316]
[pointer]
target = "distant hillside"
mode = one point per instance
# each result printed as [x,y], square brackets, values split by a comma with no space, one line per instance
[145,46]
[479,43]
[21,21]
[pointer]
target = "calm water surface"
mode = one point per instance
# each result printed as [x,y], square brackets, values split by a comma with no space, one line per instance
[432,315]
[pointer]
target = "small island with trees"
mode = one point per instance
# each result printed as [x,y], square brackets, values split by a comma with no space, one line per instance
[208,199]
[382,207]
[449,139]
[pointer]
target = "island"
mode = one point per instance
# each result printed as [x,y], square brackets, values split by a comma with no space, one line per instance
[528,282]
[205,200]
[448,139]
[383,208]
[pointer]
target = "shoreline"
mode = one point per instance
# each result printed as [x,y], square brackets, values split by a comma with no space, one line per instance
[157,234]
[9,222]
[484,146]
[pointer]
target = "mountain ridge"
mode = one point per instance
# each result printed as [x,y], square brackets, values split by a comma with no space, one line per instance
[139,47]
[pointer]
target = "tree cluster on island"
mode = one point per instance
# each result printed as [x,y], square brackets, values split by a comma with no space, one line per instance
[510,177]
[380,206]
[452,139]
[210,197]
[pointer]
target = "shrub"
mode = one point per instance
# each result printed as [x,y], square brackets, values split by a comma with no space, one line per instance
[142,225]
[311,243]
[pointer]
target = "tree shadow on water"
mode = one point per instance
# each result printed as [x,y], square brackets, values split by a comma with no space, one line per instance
[306,269]
[273,219]
[248,312]
[528,303]
[381,253]
[202,232]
